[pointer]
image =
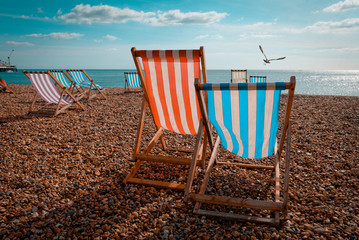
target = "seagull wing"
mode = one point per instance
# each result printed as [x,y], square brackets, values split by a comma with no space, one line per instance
[277,58]
[260,47]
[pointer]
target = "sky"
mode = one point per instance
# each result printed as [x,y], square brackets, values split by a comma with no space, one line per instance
[312,35]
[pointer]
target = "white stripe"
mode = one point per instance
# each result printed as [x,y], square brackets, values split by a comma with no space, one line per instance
[191,89]
[179,89]
[167,90]
[235,106]
[43,88]
[218,106]
[252,122]
[268,111]
[158,103]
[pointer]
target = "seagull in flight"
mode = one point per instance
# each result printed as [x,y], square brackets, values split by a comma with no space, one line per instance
[268,60]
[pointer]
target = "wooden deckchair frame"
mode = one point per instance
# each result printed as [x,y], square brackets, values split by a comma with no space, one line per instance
[145,156]
[99,91]
[127,85]
[73,88]
[278,204]
[238,70]
[63,91]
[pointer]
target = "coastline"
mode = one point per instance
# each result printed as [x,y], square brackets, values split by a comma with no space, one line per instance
[62,176]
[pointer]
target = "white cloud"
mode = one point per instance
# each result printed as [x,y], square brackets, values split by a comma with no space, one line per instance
[208,36]
[57,35]
[256,35]
[345,26]
[103,14]
[110,37]
[339,50]
[108,14]
[343,6]
[19,43]
[176,17]
[59,11]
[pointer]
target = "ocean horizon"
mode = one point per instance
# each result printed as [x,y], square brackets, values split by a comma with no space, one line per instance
[309,82]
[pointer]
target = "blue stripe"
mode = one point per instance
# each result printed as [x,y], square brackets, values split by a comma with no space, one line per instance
[280,85]
[243,113]
[274,122]
[227,118]
[133,79]
[261,99]
[79,78]
[213,120]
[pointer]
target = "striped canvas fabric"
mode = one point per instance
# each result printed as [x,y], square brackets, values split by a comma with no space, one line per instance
[239,76]
[245,120]
[81,80]
[62,79]
[258,79]
[169,81]
[46,88]
[133,80]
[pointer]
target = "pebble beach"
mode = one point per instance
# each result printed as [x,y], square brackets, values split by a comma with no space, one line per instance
[61,177]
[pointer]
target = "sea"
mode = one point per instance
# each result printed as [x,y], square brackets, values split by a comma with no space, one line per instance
[339,83]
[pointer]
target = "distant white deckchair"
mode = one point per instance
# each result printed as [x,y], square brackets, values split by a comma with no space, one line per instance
[132,81]
[238,76]
[245,117]
[44,84]
[82,79]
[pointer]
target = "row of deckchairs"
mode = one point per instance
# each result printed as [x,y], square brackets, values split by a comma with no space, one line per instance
[62,89]
[240,76]
[244,116]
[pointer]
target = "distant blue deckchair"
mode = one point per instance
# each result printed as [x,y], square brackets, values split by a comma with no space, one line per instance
[245,117]
[82,79]
[132,80]
[257,79]
[66,80]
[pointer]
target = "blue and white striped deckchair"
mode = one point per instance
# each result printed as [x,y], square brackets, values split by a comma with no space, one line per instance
[66,81]
[257,79]
[245,117]
[83,80]
[43,82]
[132,80]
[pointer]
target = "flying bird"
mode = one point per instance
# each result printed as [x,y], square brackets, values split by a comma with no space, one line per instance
[266,60]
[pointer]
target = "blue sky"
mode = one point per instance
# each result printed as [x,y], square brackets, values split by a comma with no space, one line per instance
[320,34]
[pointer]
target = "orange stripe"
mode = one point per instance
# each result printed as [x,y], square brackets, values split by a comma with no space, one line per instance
[172,83]
[186,98]
[150,96]
[161,91]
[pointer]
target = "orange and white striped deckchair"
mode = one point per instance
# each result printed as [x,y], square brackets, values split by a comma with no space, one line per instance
[167,80]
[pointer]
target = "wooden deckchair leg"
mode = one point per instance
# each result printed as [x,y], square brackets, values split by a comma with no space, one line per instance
[204,148]
[139,130]
[286,171]
[194,160]
[33,102]
[154,140]
[133,171]
[208,173]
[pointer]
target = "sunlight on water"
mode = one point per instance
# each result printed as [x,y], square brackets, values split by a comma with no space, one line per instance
[344,83]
